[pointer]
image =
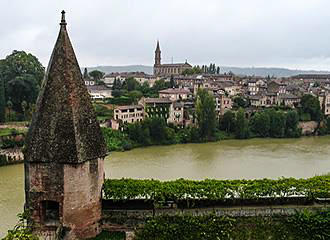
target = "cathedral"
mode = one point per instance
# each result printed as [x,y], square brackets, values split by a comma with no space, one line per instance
[168,69]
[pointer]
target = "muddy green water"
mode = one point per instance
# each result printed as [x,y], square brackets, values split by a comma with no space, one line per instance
[255,158]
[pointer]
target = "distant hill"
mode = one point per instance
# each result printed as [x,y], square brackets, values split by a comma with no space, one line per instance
[128,68]
[277,72]
[258,71]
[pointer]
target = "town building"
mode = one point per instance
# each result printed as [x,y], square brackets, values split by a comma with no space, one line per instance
[64,153]
[324,98]
[223,103]
[156,107]
[168,69]
[276,87]
[129,113]
[253,88]
[177,113]
[99,92]
[175,94]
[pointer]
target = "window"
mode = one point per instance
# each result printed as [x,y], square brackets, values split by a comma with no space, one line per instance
[51,212]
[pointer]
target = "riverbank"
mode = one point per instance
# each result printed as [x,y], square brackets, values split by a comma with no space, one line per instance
[231,159]
[118,141]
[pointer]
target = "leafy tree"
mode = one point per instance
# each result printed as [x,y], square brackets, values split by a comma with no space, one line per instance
[260,124]
[240,102]
[85,75]
[172,82]
[117,93]
[292,121]
[145,89]
[10,107]
[205,112]
[21,63]
[22,74]
[135,95]
[242,125]
[22,88]
[116,84]
[193,70]
[2,101]
[311,105]
[218,70]
[227,122]
[160,85]
[157,130]
[130,84]
[96,75]
[277,123]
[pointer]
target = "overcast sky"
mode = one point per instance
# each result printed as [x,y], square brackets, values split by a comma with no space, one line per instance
[271,33]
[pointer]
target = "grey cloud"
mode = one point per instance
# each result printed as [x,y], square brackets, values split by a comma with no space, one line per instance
[284,33]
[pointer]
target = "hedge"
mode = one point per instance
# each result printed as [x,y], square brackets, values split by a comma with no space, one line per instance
[301,226]
[181,189]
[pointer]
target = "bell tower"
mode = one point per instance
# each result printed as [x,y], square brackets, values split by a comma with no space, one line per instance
[157,55]
[64,151]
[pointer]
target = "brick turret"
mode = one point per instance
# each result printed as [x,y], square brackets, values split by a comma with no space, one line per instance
[64,150]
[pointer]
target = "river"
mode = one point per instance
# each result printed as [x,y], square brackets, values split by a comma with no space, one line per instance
[231,159]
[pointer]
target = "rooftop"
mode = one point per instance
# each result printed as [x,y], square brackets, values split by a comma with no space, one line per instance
[175,91]
[64,128]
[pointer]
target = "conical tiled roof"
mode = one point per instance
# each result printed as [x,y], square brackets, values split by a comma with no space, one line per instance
[64,128]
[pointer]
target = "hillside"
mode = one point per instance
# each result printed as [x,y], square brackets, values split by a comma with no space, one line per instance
[258,71]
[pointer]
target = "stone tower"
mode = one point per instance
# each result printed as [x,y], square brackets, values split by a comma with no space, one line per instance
[157,56]
[64,151]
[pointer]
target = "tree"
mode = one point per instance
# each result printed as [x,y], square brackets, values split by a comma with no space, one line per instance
[130,84]
[85,75]
[24,71]
[242,125]
[172,82]
[24,105]
[240,102]
[206,115]
[157,128]
[228,122]
[311,105]
[260,124]
[277,123]
[292,121]
[160,85]
[97,76]
[2,101]
[10,107]
[135,95]
[22,88]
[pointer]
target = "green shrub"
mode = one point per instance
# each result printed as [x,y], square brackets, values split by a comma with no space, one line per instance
[305,117]
[300,226]
[190,190]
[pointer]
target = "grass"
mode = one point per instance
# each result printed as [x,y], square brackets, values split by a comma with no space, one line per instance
[7,131]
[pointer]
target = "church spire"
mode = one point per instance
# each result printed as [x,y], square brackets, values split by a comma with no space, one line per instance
[64,128]
[157,55]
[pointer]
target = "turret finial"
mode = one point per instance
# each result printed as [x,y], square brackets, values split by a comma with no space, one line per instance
[63,22]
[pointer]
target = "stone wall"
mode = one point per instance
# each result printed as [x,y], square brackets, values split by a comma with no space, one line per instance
[128,220]
[82,197]
[75,187]
[308,128]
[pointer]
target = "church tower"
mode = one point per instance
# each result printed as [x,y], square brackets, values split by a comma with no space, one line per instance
[64,151]
[157,56]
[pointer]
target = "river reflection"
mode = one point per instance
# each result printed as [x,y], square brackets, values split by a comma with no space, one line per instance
[232,159]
